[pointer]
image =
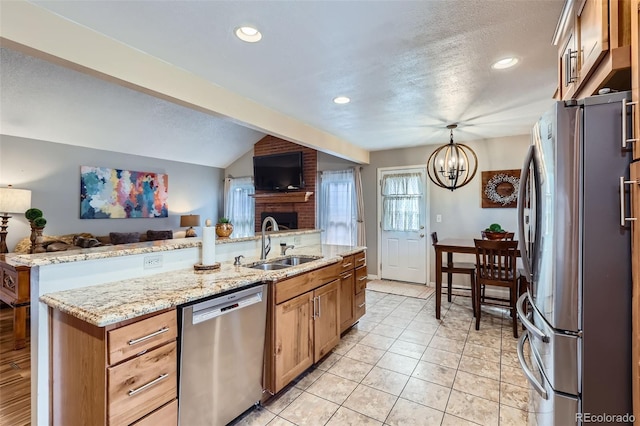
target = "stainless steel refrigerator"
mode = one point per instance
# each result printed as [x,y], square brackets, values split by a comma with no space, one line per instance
[576,350]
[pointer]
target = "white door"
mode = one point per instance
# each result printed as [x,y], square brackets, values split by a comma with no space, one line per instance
[402,224]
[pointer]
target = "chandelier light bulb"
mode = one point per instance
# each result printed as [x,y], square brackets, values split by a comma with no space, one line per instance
[455,156]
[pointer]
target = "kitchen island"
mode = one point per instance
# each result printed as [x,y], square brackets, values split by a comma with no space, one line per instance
[111,285]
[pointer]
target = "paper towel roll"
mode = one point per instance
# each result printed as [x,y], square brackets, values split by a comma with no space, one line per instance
[208,245]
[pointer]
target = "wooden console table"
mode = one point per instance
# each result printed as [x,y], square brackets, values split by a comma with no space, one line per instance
[15,292]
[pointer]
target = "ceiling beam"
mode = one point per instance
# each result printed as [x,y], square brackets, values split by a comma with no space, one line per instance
[38,32]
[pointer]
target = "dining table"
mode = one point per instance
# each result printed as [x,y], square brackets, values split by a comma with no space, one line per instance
[450,246]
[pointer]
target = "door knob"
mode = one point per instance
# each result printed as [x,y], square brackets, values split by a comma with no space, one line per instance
[421,235]
[422,227]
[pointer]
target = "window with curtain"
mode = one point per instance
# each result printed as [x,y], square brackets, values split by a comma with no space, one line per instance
[401,203]
[337,208]
[239,206]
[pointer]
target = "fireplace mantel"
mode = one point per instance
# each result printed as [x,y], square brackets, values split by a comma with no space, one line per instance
[282,197]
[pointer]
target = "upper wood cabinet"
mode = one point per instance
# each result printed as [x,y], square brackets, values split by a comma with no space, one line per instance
[593,39]
[592,26]
[635,76]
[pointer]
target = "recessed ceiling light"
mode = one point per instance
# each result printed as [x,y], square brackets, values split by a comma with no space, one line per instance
[341,100]
[248,34]
[504,63]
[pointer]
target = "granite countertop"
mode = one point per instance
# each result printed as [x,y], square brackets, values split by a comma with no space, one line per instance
[113,302]
[104,252]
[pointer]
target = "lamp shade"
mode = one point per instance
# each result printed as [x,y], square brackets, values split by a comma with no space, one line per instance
[14,200]
[190,220]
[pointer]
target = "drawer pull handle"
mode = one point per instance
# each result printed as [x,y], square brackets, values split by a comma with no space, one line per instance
[148,385]
[346,276]
[362,278]
[360,260]
[346,265]
[362,306]
[148,336]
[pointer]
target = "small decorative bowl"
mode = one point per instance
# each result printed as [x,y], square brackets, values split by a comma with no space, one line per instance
[495,236]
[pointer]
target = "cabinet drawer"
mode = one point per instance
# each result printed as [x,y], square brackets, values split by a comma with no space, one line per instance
[127,341]
[164,416]
[361,305]
[300,284]
[347,263]
[142,384]
[359,259]
[361,278]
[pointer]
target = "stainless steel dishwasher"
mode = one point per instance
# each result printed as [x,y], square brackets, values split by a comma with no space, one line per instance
[221,356]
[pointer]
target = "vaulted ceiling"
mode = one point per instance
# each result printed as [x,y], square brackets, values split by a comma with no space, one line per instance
[169,79]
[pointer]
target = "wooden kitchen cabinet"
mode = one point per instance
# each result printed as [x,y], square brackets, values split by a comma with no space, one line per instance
[326,324]
[568,66]
[347,295]
[303,324]
[114,375]
[594,47]
[353,283]
[294,338]
[635,77]
[15,292]
[592,26]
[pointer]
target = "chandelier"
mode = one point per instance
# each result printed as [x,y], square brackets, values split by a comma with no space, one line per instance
[449,166]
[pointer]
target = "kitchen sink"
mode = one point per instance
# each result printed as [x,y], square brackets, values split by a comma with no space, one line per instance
[270,266]
[287,262]
[296,260]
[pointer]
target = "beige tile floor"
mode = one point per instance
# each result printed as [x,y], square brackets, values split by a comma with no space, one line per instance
[401,366]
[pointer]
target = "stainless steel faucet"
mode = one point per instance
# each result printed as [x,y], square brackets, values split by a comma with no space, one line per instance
[284,247]
[266,248]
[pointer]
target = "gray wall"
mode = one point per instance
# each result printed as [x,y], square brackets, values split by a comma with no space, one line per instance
[243,166]
[52,172]
[329,162]
[462,214]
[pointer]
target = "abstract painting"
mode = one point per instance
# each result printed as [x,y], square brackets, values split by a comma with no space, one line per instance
[114,194]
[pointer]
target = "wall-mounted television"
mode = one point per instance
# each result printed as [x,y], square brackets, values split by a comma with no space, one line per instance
[278,172]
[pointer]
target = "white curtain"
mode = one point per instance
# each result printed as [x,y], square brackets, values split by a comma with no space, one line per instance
[239,206]
[401,204]
[361,239]
[337,209]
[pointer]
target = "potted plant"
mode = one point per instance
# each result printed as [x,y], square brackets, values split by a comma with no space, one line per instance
[34,216]
[495,232]
[224,228]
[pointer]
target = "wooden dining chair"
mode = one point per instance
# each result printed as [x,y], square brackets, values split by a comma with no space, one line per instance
[466,268]
[496,266]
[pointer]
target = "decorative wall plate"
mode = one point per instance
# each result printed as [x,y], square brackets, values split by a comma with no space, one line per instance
[500,188]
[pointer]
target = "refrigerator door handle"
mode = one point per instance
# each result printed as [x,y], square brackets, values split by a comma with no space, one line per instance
[623,210]
[525,320]
[525,368]
[625,139]
[522,245]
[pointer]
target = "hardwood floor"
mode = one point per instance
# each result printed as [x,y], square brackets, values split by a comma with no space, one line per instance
[15,375]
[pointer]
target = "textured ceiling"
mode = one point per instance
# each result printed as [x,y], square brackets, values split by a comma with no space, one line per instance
[410,68]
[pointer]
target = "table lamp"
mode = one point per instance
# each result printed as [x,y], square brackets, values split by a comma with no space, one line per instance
[11,201]
[190,220]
